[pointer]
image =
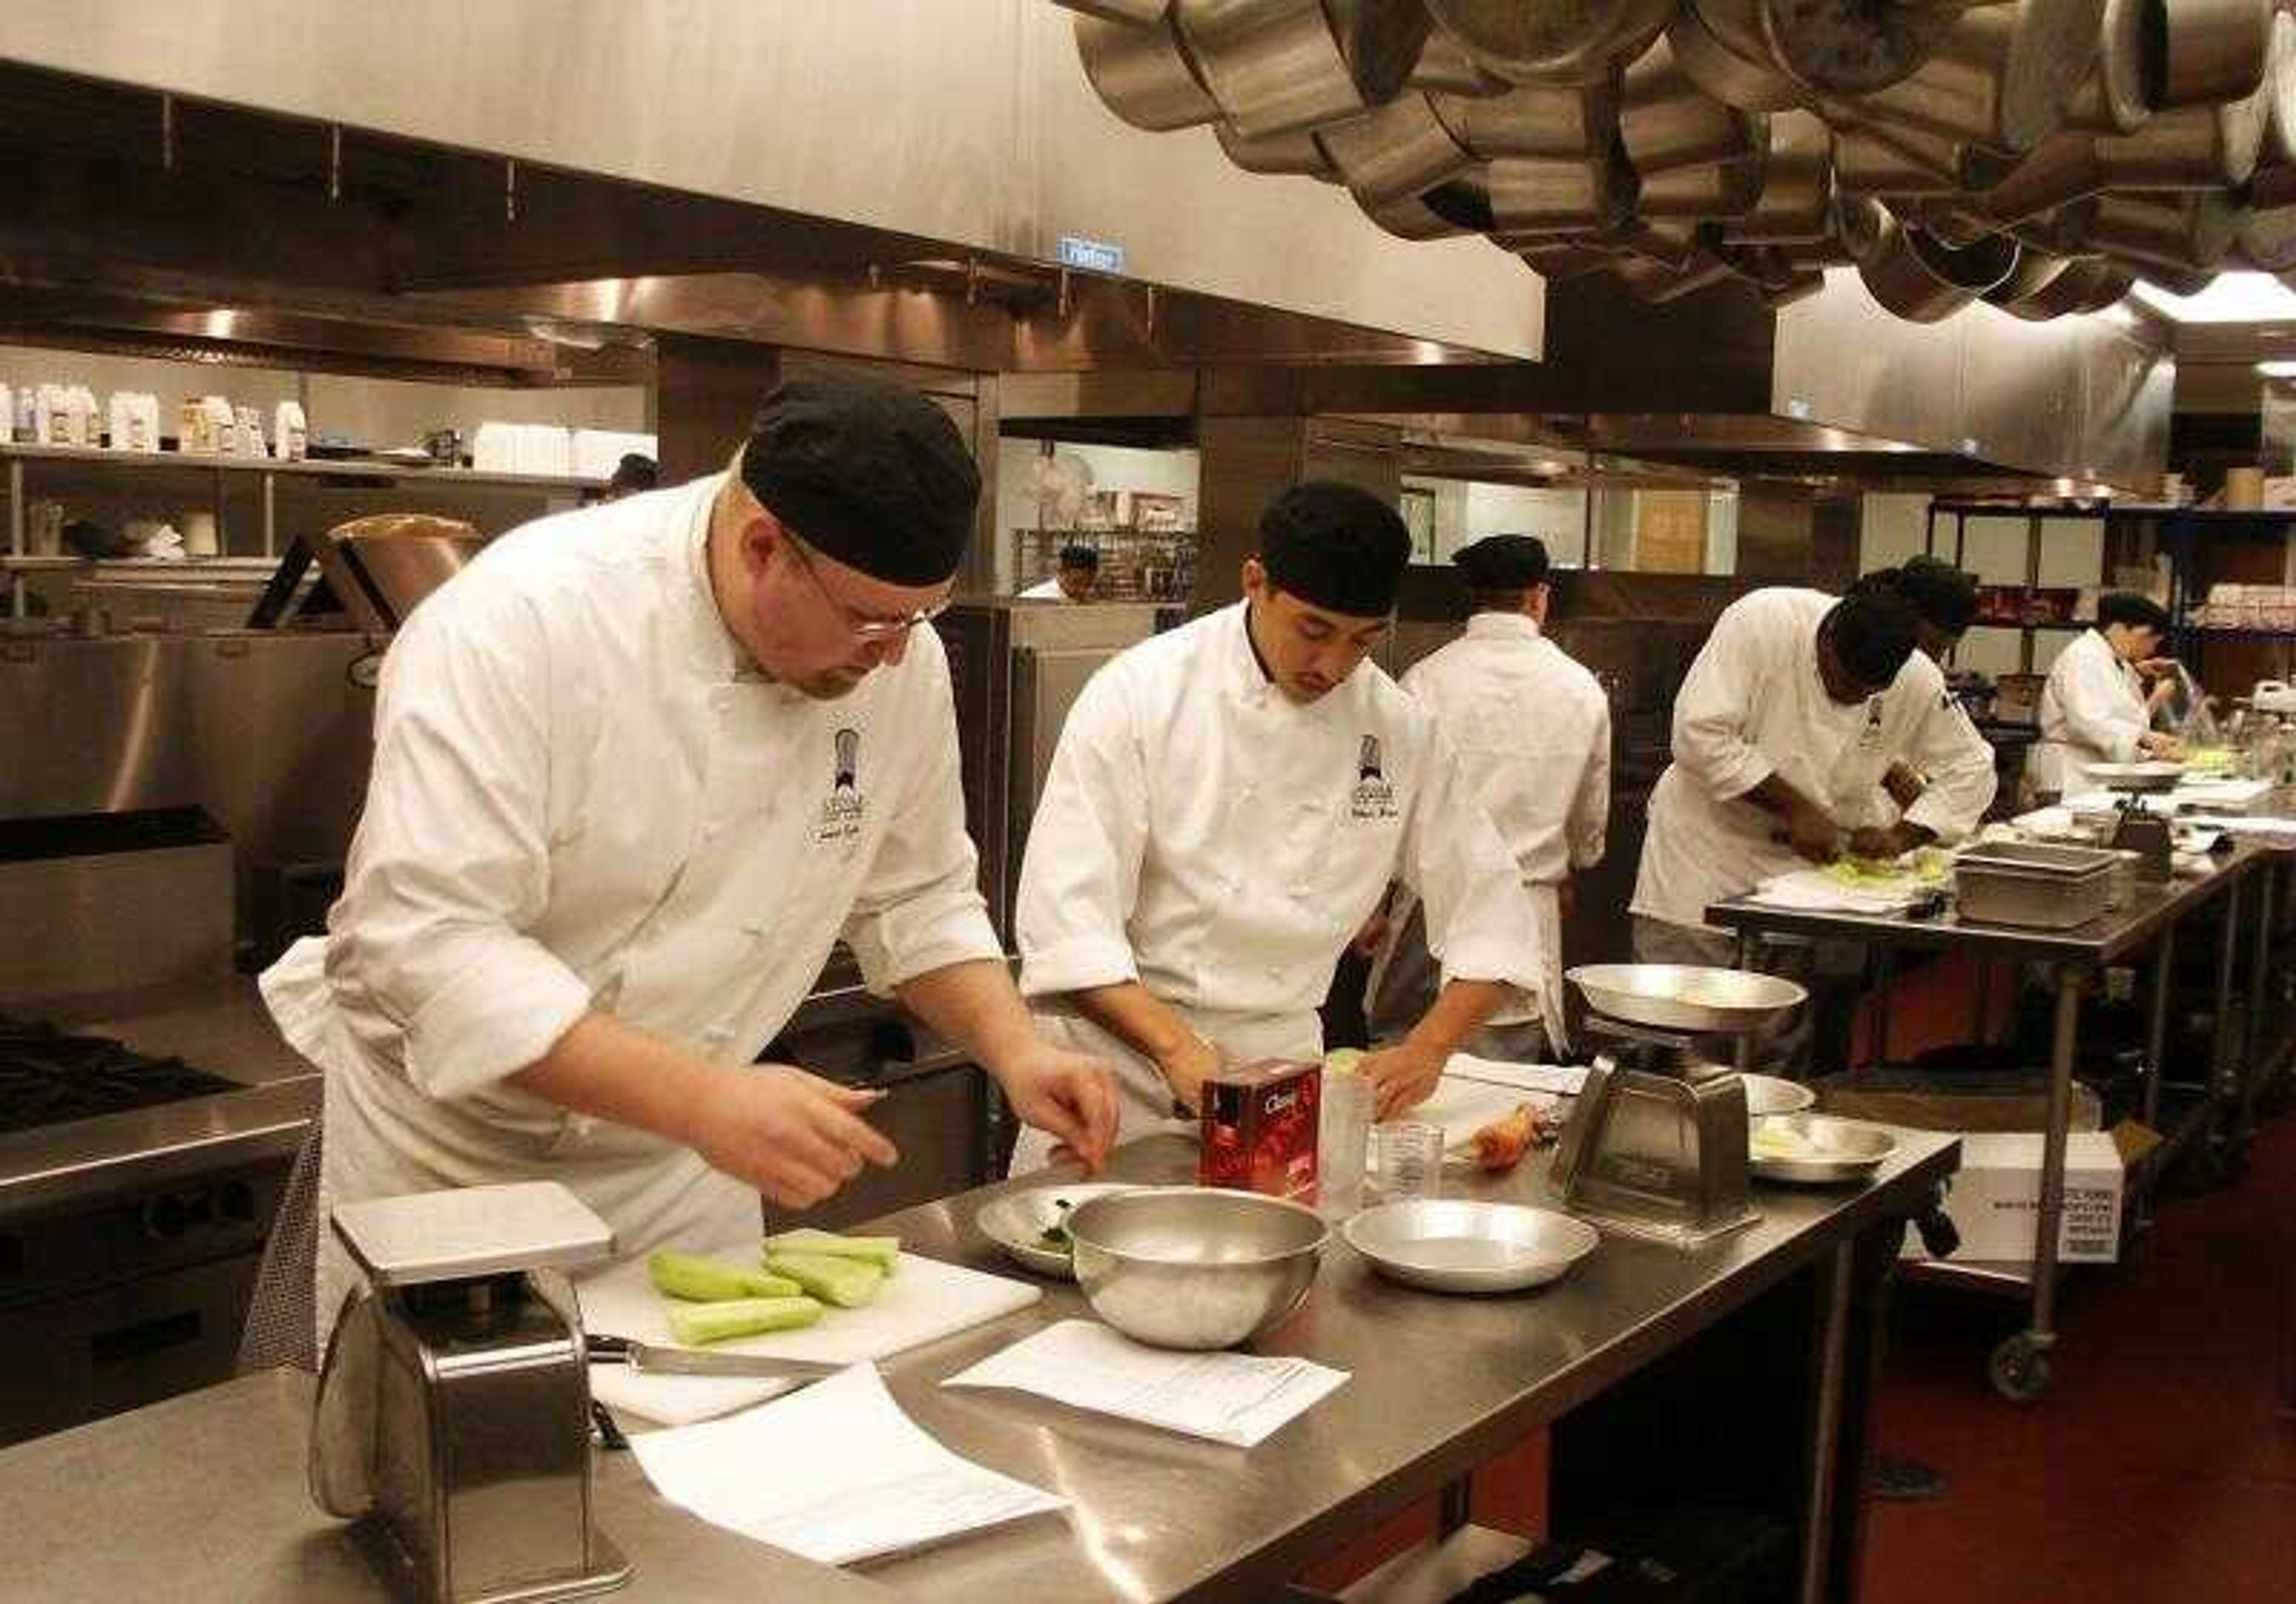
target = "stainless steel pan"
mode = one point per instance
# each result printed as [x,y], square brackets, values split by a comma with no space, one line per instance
[1669,121]
[1673,996]
[2002,77]
[1142,74]
[2214,50]
[1272,66]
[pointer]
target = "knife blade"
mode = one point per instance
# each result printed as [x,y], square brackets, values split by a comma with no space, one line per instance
[648,1359]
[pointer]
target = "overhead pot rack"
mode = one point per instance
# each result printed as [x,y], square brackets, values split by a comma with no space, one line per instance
[2043,156]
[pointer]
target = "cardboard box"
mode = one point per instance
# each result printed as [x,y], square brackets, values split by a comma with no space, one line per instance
[1994,1199]
[1260,1128]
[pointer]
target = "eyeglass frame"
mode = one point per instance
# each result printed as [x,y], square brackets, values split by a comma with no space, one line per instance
[861,627]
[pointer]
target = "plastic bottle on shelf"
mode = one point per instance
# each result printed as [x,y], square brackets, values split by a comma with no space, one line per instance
[290,433]
[24,423]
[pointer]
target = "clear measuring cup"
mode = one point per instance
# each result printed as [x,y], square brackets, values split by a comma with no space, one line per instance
[1407,1160]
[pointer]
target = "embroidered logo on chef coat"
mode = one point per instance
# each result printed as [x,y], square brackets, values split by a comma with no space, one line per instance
[1373,798]
[846,805]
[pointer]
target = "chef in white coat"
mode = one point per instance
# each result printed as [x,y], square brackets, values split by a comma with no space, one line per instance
[1792,715]
[1229,801]
[1944,599]
[636,768]
[1533,729]
[2102,693]
[1071,581]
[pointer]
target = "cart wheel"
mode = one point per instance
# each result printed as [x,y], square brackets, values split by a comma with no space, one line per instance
[2021,1372]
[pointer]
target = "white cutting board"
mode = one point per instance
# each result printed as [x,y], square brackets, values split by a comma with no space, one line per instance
[1463,1107]
[923,1301]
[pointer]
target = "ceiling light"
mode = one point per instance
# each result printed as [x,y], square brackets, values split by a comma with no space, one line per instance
[2232,297]
[2277,370]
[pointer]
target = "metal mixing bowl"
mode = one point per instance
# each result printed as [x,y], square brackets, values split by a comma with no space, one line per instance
[1194,1267]
[1458,1244]
[1675,996]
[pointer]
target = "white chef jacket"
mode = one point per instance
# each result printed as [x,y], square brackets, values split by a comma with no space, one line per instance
[1755,705]
[581,798]
[2093,710]
[1205,835]
[1046,590]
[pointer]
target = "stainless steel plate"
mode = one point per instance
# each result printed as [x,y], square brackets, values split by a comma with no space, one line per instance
[2136,776]
[1673,996]
[1018,1221]
[1824,1151]
[1767,1095]
[1457,1246]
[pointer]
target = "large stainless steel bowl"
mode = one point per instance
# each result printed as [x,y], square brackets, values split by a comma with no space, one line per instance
[1194,1267]
[1676,997]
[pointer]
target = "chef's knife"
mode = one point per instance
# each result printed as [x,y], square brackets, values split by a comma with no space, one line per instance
[648,1360]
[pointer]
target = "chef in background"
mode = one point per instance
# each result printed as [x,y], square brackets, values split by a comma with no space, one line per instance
[1072,581]
[1533,729]
[1795,709]
[636,768]
[1944,599]
[1228,803]
[2102,695]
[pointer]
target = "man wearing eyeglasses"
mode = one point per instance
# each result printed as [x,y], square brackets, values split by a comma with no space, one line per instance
[636,768]
[1228,803]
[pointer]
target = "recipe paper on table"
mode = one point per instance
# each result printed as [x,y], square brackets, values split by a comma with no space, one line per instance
[837,1474]
[1240,1399]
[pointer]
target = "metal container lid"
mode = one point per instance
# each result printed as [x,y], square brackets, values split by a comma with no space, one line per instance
[2039,858]
[471,1232]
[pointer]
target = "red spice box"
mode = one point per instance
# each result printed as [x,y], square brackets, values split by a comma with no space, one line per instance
[1259,1124]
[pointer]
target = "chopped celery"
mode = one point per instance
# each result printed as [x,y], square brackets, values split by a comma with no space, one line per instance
[846,1282]
[696,1325]
[883,1251]
[698,1280]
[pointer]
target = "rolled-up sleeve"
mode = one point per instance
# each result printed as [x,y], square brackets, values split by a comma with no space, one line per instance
[1959,764]
[1479,921]
[1710,742]
[451,865]
[1080,876]
[920,907]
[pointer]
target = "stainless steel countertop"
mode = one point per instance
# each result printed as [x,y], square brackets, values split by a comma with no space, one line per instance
[1439,1383]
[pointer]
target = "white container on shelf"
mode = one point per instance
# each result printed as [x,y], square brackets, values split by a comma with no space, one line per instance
[248,422]
[290,433]
[23,423]
[493,449]
[223,425]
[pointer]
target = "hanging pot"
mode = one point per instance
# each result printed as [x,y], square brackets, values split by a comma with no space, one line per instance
[1550,41]
[2189,148]
[2080,285]
[2063,167]
[1402,147]
[1555,122]
[1656,283]
[2124,81]
[1916,276]
[2035,271]
[2265,239]
[1591,195]
[1867,151]
[2177,233]
[1796,198]
[1445,68]
[1564,261]
[1381,41]
[1852,46]
[2214,50]
[1719,192]
[1295,154]
[2278,90]
[1142,74]
[1131,13]
[1274,66]
[1463,205]
[1722,72]
[1669,121]
[2002,77]
[1674,245]
[2063,231]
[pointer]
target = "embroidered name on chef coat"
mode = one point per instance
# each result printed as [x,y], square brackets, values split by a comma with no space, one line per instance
[1373,798]
[846,805]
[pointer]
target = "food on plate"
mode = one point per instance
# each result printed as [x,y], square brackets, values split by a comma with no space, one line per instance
[848,1283]
[1501,1144]
[1781,1142]
[1054,1238]
[883,1251]
[2210,759]
[697,1325]
[697,1280]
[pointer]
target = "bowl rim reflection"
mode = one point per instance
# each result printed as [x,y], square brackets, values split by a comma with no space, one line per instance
[1083,1239]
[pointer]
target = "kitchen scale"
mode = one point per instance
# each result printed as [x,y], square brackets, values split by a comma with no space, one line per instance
[1656,1144]
[453,1420]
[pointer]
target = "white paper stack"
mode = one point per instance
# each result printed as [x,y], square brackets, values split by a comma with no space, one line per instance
[1814,891]
[1241,1399]
[1556,1080]
[836,1474]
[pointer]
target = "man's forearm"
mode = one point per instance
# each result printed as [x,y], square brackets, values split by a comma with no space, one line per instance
[1460,1009]
[1775,796]
[1136,1017]
[609,1070]
[976,1006]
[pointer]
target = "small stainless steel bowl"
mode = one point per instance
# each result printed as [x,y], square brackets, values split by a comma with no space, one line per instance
[1017,1223]
[1453,1245]
[1673,996]
[1767,1095]
[1194,1267]
[1838,1150]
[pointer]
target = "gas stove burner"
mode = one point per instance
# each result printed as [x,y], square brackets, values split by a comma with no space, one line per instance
[49,1077]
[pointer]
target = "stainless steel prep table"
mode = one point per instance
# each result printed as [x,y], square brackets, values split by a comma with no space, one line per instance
[1743,1368]
[2021,1364]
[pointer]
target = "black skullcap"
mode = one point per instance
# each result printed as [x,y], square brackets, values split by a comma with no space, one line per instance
[1081,557]
[1503,562]
[1873,634]
[2126,607]
[1335,547]
[1940,594]
[635,472]
[867,471]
